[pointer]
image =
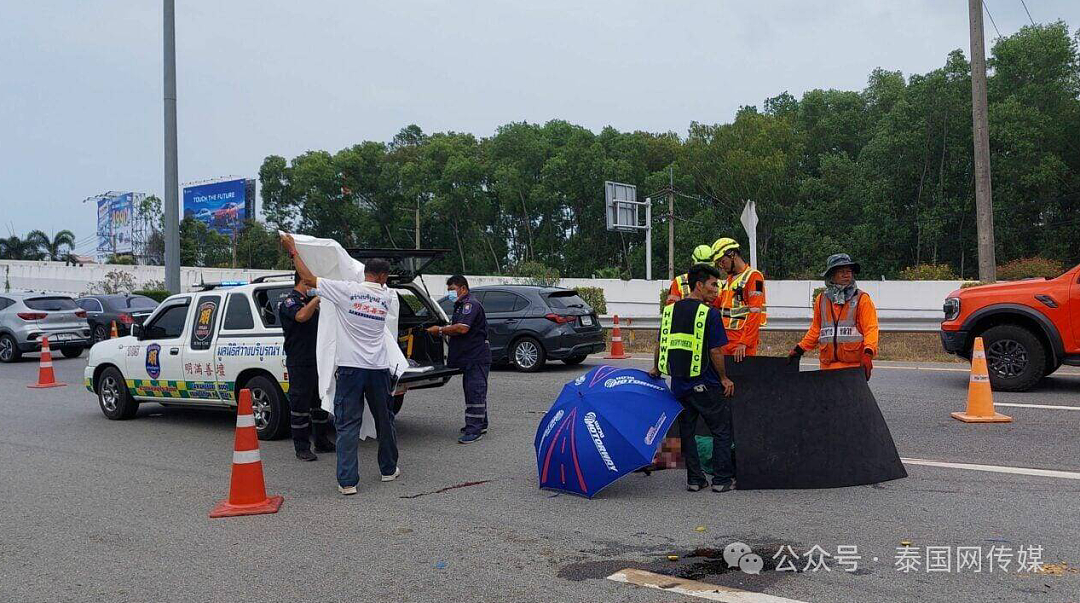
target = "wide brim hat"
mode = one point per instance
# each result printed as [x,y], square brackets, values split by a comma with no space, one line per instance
[839,260]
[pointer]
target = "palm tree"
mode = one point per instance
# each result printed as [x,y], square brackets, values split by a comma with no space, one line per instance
[53,248]
[15,248]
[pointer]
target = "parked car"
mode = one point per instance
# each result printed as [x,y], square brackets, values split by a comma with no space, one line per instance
[202,348]
[529,325]
[27,317]
[124,310]
[1029,327]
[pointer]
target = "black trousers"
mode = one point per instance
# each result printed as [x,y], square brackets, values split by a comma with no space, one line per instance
[305,411]
[715,410]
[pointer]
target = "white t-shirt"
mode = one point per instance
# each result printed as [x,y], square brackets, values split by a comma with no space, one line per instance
[362,311]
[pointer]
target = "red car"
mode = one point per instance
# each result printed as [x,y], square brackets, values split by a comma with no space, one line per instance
[1029,327]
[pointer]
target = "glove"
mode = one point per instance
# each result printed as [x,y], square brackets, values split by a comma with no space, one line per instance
[795,354]
[867,364]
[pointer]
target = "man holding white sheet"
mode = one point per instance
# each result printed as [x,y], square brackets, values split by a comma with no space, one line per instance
[362,361]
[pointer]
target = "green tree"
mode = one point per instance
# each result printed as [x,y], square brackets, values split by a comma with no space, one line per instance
[56,248]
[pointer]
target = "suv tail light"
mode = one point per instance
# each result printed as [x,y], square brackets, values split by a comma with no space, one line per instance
[32,315]
[80,313]
[559,320]
[127,319]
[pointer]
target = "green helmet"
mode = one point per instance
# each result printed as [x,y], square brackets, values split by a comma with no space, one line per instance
[702,254]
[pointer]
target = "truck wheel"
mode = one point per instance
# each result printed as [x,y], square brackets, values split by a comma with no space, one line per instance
[270,407]
[9,349]
[113,396]
[528,355]
[71,352]
[397,402]
[1015,357]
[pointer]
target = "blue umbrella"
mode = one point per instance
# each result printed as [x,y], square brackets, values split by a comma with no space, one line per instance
[605,424]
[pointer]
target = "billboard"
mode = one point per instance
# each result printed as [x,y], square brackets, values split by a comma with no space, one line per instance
[115,216]
[222,206]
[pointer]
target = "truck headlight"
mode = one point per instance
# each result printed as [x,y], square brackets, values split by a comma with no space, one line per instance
[951,308]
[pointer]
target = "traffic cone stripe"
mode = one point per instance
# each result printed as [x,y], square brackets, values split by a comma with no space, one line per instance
[979,355]
[980,378]
[245,420]
[243,457]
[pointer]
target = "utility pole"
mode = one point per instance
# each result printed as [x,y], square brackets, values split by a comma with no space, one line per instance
[671,224]
[984,207]
[172,180]
[418,222]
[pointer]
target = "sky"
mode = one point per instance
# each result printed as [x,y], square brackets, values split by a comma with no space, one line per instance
[81,81]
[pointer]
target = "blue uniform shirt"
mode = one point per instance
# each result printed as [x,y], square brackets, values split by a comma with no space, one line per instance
[472,347]
[715,337]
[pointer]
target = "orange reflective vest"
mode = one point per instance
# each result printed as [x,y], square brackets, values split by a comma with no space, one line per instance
[742,305]
[843,332]
[680,286]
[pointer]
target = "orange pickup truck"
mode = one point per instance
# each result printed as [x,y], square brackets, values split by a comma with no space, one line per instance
[1029,327]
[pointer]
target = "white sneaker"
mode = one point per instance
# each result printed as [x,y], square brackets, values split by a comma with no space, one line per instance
[347,490]
[390,478]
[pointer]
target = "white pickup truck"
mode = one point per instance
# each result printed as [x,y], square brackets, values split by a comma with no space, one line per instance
[202,348]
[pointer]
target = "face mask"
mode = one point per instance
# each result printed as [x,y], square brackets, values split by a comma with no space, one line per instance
[840,294]
[452,295]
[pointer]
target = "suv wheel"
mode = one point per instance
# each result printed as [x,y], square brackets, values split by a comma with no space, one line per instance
[9,349]
[71,352]
[1015,357]
[113,396]
[100,334]
[270,407]
[527,355]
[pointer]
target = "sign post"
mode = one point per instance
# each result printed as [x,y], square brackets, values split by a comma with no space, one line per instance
[749,221]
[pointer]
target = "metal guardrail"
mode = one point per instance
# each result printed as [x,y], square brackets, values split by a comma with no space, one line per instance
[909,324]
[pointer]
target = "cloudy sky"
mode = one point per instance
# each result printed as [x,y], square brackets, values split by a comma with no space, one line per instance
[81,80]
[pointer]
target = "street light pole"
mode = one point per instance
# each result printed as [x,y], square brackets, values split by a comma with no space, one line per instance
[172,184]
[984,207]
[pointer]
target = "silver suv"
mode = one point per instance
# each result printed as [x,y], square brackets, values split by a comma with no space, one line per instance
[27,317]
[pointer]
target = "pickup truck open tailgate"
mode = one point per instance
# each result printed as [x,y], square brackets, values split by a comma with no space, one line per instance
[433,378]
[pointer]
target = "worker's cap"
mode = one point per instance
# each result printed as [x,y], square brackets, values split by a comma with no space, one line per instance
[839,260]
[722,246]
[702,254]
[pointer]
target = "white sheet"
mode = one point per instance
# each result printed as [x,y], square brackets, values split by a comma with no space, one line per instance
[327,259]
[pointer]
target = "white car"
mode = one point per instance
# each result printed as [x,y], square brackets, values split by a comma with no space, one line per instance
[202,348]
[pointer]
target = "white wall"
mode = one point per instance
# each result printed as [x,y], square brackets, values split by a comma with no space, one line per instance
[917,303]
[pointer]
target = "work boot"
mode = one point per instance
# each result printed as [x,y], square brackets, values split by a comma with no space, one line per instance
[324,445]
[725,487]
[463,429]
[306,455]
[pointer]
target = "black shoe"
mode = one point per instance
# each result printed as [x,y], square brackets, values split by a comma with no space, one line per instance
[306,455]
[694,487]
[482,430]
[326,446]
[725,487]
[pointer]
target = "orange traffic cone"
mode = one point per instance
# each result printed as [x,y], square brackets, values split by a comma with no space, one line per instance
[113,335]
[617,351]
[247,491]
[46,378]
[980,402]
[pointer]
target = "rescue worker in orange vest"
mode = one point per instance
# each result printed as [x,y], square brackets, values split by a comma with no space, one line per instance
[845,323]
[741,301]
[680,285]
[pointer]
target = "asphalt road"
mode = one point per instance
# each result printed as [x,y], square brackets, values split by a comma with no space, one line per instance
[97,510]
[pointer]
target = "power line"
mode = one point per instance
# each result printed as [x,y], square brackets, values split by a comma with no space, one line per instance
[991,18]
[1028,12]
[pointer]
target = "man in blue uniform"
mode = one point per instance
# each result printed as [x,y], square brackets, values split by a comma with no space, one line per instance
[469,351]
[299,313]
[692,338]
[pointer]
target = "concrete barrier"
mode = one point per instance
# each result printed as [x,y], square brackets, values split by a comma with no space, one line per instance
[902,305]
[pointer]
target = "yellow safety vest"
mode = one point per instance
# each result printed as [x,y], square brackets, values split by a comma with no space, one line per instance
[682,339]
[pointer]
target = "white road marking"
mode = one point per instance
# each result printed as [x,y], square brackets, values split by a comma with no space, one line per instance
[693,588]
[1046,406]
[995,468]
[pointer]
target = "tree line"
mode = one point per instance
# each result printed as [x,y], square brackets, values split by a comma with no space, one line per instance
[885,173]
